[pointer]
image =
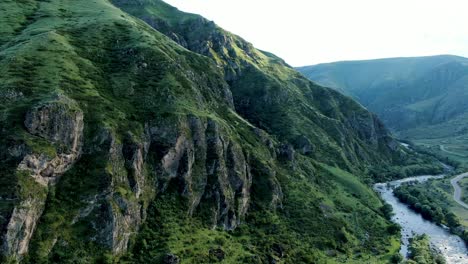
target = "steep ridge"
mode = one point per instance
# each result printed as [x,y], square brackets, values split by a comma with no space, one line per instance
[269,93]
[125,140]
[406,93]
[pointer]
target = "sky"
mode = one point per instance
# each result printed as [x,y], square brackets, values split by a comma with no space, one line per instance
[306,32]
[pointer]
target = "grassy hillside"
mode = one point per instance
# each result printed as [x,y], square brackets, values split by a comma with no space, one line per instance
[422,99]
[154,136]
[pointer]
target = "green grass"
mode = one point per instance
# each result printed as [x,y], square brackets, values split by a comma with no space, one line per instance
[422,253]
[127,77]
[437,196]
[331,193]
[453,148]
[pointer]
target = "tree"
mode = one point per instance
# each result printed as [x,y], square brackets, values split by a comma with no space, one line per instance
[387,211]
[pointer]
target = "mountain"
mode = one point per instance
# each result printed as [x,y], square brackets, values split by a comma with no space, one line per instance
[132,132]
[422,98]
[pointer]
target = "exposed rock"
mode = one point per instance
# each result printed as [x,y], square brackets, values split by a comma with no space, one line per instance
[276,191]
[21,226]
[240,179]
[61,123]
[135,154]
[286,152]
[229,178]
[170,258]
[116,215]
[45,170]
[123,220]
[368,128]
[10,95]
[278,250]
[303,145]
[272,260]
[217,253]
[18,151]
[202,161]
[266,140]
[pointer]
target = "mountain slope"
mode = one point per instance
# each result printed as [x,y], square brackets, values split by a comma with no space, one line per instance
[410,95]
[430,90]
[118,143]
[266,91]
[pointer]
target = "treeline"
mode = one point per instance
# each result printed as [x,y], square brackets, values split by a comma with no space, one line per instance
[422,253]
[432,204]
[388,173]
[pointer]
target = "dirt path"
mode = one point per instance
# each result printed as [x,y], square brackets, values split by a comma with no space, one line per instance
[458,191]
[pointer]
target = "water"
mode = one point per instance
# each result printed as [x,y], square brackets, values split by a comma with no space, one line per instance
[452,247]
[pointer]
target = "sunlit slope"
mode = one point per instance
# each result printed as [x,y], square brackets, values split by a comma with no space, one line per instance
[118,143]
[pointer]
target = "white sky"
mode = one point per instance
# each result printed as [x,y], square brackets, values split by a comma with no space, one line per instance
[305,32]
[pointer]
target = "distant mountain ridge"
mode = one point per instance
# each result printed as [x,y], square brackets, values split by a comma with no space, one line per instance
[406,93]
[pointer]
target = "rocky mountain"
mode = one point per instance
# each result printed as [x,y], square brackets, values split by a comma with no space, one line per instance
[132,132]
[409,94]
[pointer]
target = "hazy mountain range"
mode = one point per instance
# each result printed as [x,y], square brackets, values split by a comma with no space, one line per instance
[420,97]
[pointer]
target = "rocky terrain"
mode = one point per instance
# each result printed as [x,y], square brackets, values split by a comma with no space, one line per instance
[132,132]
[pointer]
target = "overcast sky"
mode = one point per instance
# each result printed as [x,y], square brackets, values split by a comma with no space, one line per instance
[305,32]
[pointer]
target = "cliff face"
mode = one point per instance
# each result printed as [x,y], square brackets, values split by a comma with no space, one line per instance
[58,122]
[116,139]
[268,92]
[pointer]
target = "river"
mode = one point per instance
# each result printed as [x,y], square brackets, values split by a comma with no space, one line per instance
[451,246]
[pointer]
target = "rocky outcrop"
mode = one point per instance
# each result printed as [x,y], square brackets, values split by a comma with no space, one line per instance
[171,259]
[286,152]
[204,163]
[21,226]
[191,155]
[45,170]
[303,145]
[117,213]
[368,128]
[60,123]
[134,154]
[229,178]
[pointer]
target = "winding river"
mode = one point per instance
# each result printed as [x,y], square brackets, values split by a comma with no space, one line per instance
[452,247]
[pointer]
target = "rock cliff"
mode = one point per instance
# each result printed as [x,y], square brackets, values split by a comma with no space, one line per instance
[131,131]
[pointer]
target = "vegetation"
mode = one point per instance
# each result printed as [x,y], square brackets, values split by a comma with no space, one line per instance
[422,99]
[177,134]
[353,233]
[422,253]
[433,199]
[416,164]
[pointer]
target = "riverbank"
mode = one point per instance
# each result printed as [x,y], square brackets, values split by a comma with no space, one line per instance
[451,246]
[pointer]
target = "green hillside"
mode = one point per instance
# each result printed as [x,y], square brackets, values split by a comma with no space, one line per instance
[422,99]
[131,132]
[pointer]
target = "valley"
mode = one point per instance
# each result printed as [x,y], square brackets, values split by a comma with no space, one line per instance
[452,247]
[421,99]
[134,132]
